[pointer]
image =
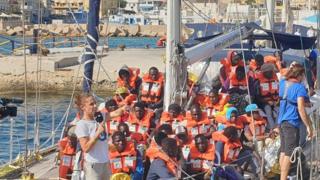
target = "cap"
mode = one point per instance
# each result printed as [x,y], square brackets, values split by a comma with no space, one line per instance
[267,67]
[251,107]
[121,90]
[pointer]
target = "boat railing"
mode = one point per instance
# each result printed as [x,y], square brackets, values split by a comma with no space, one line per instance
[14,46]
[49,131]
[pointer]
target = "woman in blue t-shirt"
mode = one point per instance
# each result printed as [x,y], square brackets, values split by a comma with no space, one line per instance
[292,112]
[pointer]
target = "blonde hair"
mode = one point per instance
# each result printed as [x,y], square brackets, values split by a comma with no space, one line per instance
[80,99]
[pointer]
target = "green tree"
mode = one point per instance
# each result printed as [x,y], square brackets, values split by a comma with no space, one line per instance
[122,3]
[250,2]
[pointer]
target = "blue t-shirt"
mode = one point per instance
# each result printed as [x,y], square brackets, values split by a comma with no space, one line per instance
[288,110]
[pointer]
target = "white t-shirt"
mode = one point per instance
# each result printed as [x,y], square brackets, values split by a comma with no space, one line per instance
[99,153]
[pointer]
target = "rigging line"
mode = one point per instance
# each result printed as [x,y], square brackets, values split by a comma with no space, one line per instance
[26,134]
[38,75]
[272,24]
[86,41]
[198,10]
[203,17]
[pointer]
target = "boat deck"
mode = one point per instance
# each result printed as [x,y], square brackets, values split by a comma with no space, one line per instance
[46,168]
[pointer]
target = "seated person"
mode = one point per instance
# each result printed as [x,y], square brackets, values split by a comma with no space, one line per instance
[202,156]
[155,145]
[257,124]
[215,102]
[112,124]
[134,137]
[267,93]
[255,65]
[173,116]
[228,145]
[129,78]
[184,141]
[165,164]
[123,156]
[124,97]
[232,61]
[231,119]
[198,122]
[139,120]
[151,90]
[238,82]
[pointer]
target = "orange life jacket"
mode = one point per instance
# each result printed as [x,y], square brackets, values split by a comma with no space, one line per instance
[126,101]
[140,126]
[174,122]
[257,126]
[170,162]
[226,63]
[235,83]
[269,88]
[153,94]
[231,149]
[134,75]
[253,71]
[152,150]
[124,161]
[202,161]
[212,109]
[198,127]
[200,99]
[67,154]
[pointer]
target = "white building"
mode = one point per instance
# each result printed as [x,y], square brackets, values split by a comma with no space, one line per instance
[132,5]
[199,13]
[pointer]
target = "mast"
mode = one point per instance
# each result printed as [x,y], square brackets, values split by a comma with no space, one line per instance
[92,42]
[175,72]
[270,14]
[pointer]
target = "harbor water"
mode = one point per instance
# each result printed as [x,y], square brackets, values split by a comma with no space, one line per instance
[52,108]
[6,46]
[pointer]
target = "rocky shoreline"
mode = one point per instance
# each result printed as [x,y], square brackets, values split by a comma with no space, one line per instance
[111,30]
[54,79]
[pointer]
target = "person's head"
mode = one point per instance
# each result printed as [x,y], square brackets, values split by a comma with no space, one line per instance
[86,104]
[166,128]
[254,110]
[139,110]
[196,112]
[124,128]
[232,114]
[296,71]
[216,83]
[182,134]
[259,60]
[235,59]
[111,105]
[214,96]
[268,70]
[153,73]
[240,73]
[170,147]
[201,143]
[124,73]
[231,133]
[159,136]
[174,110]
[119,141]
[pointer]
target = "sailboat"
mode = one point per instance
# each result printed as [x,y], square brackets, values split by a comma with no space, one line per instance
[178,58]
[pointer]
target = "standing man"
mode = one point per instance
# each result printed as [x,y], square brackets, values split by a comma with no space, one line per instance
[292,112]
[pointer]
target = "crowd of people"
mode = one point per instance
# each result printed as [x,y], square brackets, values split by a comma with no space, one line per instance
[220,135]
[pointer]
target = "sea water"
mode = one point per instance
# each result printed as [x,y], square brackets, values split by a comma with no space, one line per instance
[48,104]
[112,42]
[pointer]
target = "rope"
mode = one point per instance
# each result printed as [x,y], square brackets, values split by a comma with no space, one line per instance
[296,155]
[26,134]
